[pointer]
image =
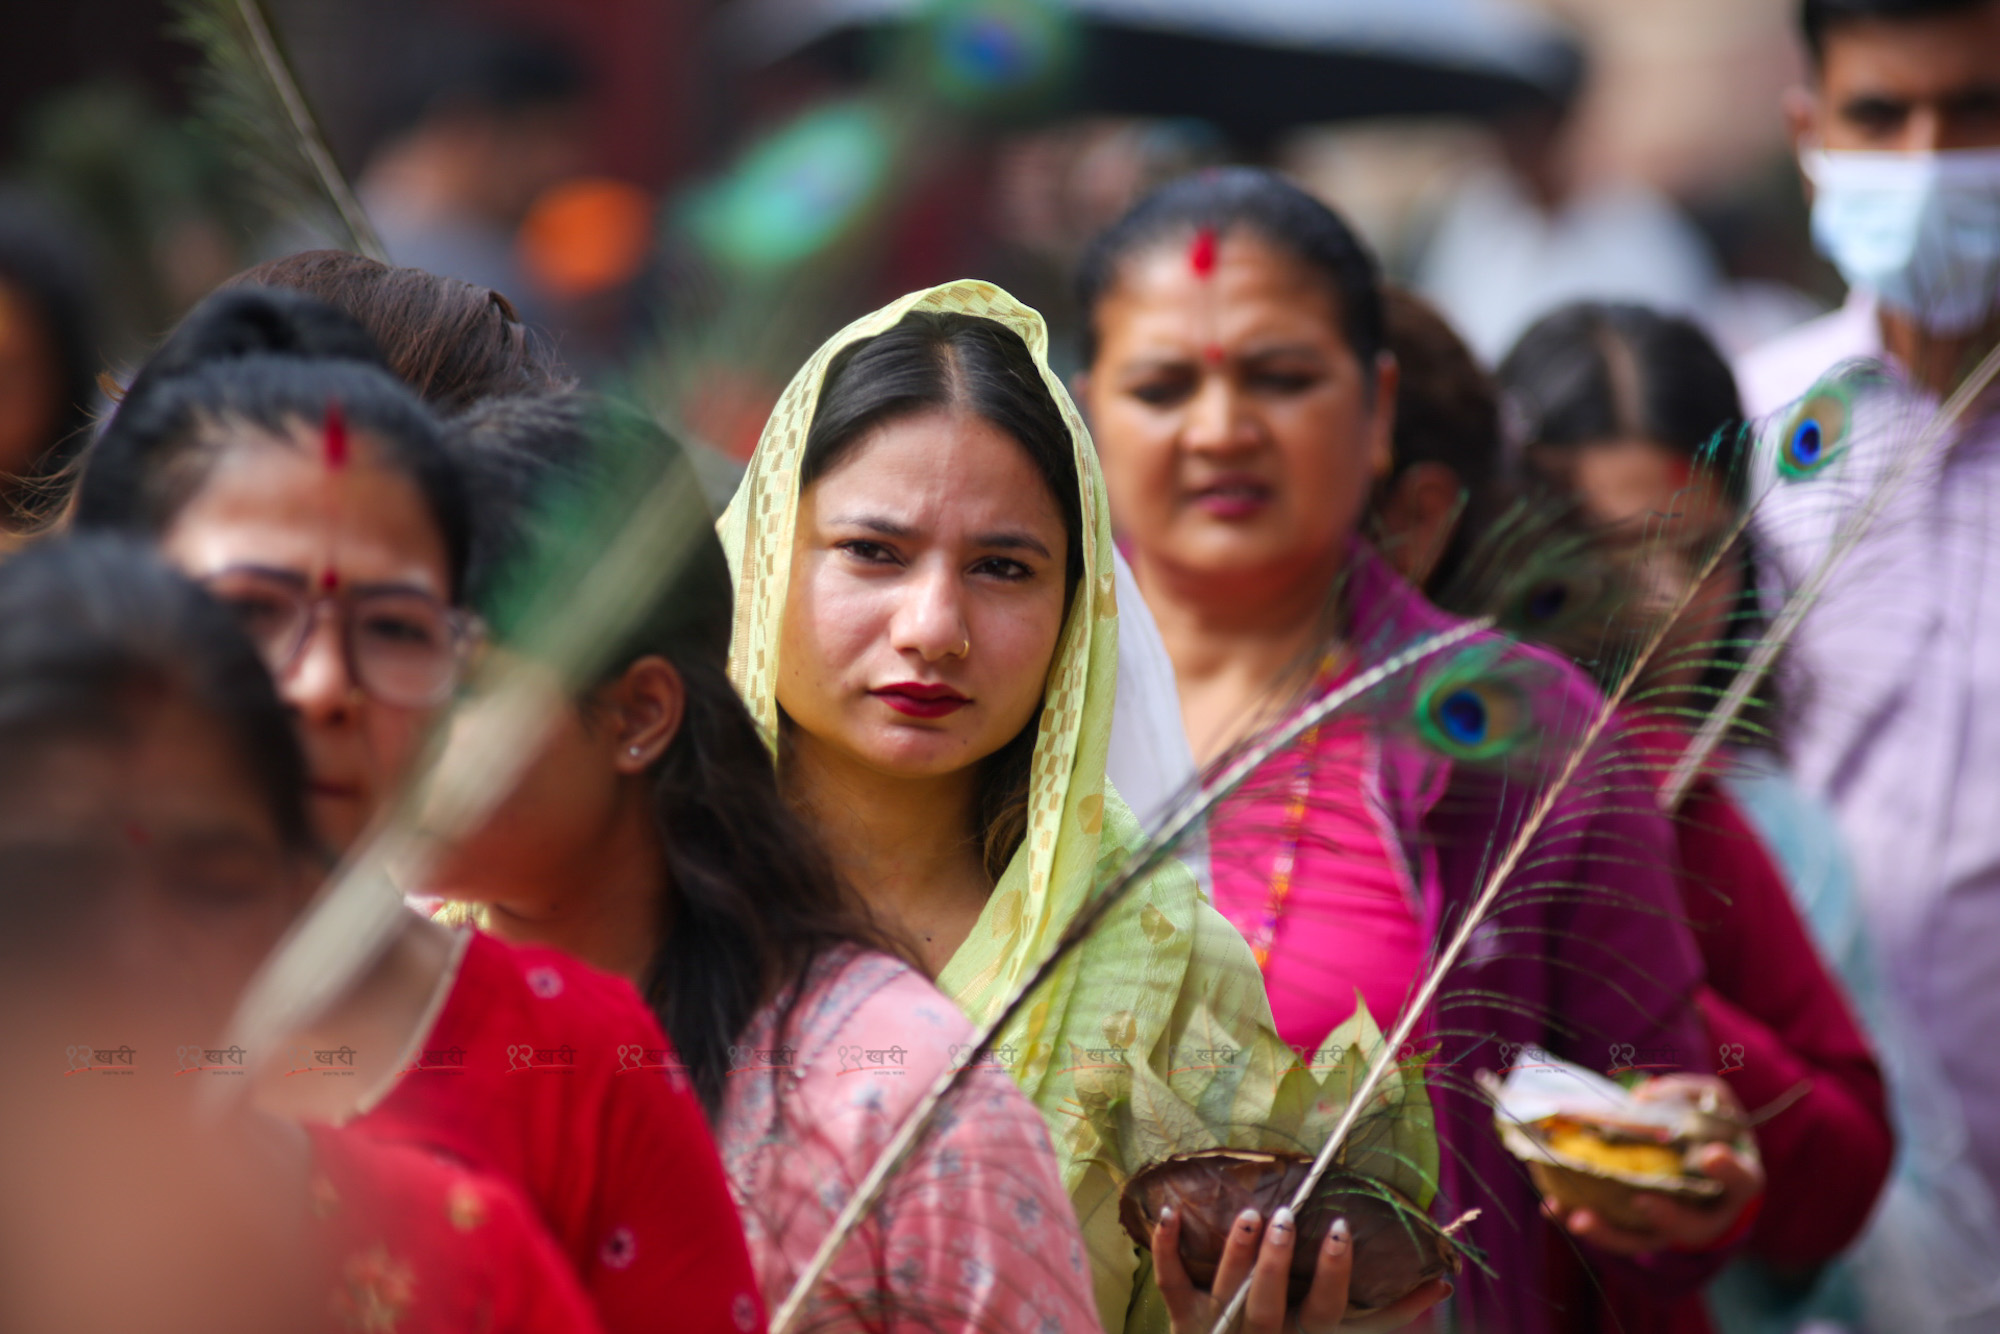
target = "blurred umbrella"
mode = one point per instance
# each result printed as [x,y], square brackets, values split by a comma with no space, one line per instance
[1253,67]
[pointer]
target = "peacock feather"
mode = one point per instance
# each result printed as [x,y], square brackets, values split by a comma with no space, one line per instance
[1816,431]
[248,97]
[1809,449]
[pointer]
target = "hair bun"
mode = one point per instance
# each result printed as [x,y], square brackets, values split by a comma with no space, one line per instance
[241,322]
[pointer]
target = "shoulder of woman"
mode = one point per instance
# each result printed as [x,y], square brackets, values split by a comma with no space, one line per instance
[549,991]
[464,1235]
[899,1004]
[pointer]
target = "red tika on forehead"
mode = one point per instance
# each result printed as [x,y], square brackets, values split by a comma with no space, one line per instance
[336,437]
[1201,253]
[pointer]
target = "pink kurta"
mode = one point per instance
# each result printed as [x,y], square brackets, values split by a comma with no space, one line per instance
[977,1233]
[1348,920]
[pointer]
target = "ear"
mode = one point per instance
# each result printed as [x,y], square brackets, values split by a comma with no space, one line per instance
[642,710]
[1802,116]
[1417,516]
[1382,444]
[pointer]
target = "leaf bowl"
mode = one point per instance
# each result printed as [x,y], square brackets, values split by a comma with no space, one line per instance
[1397,1247]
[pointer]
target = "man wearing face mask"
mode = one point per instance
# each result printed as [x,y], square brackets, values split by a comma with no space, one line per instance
[1892,685]
[1899,140]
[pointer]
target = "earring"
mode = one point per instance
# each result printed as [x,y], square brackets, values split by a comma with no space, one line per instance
[635,751]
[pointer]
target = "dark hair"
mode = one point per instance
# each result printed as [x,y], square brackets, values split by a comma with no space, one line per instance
[1223,199]
[1447,412]
[512,449]
[97,630]
[41,260]
[1596,371]
[1819,17]
[271,360]
[753,901]
[453,342]
[934,360]
[1592,373]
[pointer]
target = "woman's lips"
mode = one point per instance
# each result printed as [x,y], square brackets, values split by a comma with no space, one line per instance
[918,700]
[1232,498]
[320,787]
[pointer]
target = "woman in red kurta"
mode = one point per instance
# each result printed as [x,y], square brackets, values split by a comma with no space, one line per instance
[550,1074]
[1630,416]
[1786,1038]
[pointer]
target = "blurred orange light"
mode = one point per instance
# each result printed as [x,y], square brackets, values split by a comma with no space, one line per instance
[586,236]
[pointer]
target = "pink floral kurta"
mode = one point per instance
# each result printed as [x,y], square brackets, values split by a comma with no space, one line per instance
[976,1233]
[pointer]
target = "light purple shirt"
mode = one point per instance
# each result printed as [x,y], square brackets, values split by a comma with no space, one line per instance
[1893,683]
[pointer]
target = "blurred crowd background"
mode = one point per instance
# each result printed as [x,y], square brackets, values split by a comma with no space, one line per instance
[690,194]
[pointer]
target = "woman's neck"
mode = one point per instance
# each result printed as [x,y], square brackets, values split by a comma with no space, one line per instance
[1235,643]
[909,847]
[606,906]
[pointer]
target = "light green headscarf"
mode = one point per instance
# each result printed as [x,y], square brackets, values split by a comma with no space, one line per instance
[1166,971]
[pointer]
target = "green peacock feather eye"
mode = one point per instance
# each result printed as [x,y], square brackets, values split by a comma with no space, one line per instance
[1468,711]
[996,56]
[1816,432]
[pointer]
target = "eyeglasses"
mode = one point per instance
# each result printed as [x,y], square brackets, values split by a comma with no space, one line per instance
[402,646]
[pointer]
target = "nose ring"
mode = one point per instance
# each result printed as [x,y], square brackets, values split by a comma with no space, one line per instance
[965,648]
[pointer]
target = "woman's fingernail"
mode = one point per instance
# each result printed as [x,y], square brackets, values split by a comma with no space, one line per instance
[1248,1220]
[1281,1221]
[1166,1215]
[1337,1237]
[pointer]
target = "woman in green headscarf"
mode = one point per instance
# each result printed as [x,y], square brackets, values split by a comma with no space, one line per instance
[926,627]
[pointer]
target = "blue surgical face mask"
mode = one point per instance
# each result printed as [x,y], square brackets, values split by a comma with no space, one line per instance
[1919,230]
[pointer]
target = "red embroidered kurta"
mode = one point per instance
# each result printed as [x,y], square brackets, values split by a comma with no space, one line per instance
[555,1077]
[410,1244]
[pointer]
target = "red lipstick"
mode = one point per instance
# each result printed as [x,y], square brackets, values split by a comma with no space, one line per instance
[918,700]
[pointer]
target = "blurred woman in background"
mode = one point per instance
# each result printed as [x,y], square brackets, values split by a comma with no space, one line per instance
[1632,417]
[1243,403]
[49,359]
[155,842]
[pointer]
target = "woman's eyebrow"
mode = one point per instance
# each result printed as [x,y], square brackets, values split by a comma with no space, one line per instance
[874,523]
[271,572]
[1011,540]
[1259,351]
[392,586]
[1156,363]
